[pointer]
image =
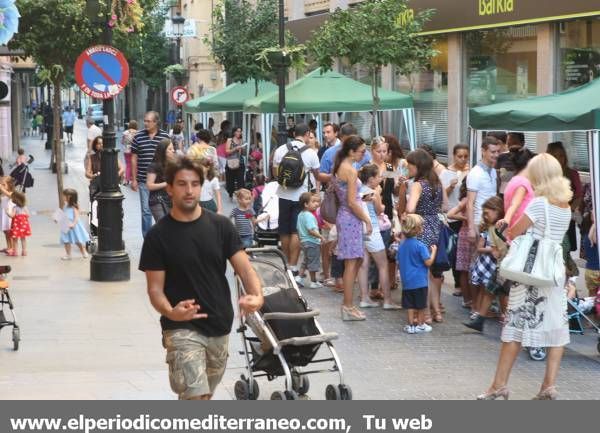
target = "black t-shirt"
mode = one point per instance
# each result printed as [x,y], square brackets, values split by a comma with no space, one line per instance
[194,255]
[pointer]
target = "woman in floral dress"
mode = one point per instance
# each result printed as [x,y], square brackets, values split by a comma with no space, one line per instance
[426,198]
[350,219]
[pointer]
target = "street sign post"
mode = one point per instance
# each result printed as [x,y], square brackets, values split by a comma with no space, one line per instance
[179,95]
[101,71]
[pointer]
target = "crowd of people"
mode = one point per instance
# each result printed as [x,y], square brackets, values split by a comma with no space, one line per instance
[403,224]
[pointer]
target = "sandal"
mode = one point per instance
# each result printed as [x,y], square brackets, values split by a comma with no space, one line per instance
[329,282]
[437,317]
[376,295]
[352,314]
[338,288]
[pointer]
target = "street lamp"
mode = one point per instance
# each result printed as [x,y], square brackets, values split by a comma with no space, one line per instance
[110,262]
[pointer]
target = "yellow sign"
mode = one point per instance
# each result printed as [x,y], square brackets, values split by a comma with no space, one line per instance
[495,7]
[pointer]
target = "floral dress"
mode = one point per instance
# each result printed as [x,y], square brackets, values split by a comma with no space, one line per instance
[429,207]
[20,227]
[349,227]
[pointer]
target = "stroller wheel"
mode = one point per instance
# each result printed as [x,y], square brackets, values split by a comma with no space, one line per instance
[255,390]
[278,395]
[291,395]
[346,392]
[241,390]
[537,353]
[598,346]
[16,337]
[332,392]
[300,383]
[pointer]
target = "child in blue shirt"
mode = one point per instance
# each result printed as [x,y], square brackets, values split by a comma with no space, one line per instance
[414,259]
[310,237]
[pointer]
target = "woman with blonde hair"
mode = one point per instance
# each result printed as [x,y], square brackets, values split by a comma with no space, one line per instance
[536,316]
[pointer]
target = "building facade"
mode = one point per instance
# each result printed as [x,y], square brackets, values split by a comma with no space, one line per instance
[489,51]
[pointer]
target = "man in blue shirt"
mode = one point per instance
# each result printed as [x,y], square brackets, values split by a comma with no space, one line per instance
[328,159]
[68,119]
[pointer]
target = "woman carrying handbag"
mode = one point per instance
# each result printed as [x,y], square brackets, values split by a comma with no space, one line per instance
[537,316]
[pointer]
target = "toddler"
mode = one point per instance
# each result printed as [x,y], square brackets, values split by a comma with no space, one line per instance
[310,237]
[19,226]
[72,231]
[243,217]
[414,260]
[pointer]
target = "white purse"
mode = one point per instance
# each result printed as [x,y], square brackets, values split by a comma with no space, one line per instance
[535,262]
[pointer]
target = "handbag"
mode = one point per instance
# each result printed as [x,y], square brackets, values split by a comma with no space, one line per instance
[384,222]
[446,239]
[535,262]
[330,204]
[233,162]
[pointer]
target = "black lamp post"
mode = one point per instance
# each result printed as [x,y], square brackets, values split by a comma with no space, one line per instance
[281,65]
[110,262]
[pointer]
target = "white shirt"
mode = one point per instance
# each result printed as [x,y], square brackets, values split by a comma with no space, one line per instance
[93,132]
[446,178]
[482,180]
[209,188]
[311,162]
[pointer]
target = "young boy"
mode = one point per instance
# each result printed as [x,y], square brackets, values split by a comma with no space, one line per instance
[310,238]
[414,260]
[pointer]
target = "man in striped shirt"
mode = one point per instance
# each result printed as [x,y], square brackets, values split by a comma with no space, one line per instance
[143,147]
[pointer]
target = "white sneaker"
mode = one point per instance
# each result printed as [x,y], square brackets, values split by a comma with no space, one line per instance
[419,329]
[315,285]
[410,329]
[299,280]
[65,258]
[368,304]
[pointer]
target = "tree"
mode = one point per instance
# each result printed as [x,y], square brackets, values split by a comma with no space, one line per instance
[240,32]
[147,51]
[40,27]
[374,34]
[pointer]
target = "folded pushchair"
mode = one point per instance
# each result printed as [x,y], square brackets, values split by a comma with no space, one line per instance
[21,175]
[266,232]
[94,189]
[284,337]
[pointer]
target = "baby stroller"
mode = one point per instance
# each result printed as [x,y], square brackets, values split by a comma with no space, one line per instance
[6,301]
[20,173]
[92,244]
[286,335]
[576,314]
[266,232]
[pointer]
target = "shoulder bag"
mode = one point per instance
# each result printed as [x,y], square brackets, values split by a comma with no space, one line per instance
[330,203]
[535,262]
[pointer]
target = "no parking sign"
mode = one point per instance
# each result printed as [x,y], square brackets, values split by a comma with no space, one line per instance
[101,71]
[179,95]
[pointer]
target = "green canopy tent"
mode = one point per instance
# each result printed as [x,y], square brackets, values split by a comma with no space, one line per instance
[230,99]
[329,92]
[574,110]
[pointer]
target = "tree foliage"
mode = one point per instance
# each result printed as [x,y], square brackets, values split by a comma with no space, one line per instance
[147,51]
[374,34]
[240,32]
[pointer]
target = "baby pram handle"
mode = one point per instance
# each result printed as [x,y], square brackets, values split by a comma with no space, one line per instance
[291,316]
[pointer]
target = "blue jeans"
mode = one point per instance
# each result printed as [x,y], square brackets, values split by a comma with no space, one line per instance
[247,241]
[146,214]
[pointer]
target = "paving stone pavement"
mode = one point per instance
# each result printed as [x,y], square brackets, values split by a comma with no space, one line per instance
[88,340]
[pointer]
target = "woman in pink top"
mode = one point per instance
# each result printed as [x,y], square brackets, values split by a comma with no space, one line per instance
[518,192]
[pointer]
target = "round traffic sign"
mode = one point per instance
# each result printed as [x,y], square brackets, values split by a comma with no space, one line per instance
[101,71]
[179,95]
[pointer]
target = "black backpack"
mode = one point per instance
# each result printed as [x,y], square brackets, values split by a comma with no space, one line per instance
[291,173]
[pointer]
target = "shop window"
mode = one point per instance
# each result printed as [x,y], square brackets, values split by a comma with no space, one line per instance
[579,63]
[429,89]
[501,66]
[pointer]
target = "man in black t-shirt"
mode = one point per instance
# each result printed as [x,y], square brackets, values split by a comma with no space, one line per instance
[184,257]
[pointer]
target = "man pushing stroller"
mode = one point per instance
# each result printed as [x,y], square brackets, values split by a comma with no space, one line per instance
[185,257]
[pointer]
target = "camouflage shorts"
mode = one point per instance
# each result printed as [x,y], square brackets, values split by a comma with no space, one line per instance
[196,362]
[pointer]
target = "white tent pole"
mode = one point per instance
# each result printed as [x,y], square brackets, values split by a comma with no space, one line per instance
[473,146]
[246,134]
[594,155]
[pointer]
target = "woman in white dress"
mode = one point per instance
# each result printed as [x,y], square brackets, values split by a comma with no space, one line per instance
[537,317]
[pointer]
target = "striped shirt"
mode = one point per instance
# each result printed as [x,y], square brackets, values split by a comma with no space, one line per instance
[243,221]
[144,147]
[560,218]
